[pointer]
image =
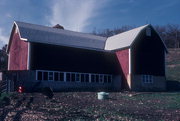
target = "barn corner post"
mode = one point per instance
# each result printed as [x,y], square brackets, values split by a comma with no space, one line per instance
[129,76]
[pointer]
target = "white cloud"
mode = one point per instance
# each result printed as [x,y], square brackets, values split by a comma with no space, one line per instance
[74,14]
[3,38]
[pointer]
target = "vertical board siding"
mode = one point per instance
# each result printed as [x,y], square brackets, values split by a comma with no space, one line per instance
[18,53]
[123,58]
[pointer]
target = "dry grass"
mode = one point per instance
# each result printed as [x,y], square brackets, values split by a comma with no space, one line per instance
[85,106]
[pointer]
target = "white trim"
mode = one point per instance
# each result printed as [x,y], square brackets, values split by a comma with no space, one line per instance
[100,80]
[29,56]
[89,78]
[25,39]
[8,60]
[129,60]
[49,76]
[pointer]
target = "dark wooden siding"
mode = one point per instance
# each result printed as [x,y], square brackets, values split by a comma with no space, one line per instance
[52,57]
[18,53]
[148,55]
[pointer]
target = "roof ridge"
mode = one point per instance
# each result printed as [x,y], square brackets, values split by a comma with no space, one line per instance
[131,30]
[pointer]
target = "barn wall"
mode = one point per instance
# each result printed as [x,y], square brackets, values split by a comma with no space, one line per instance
[148,55]
[27,79]
[123,58]
[159,84]
[52,57]
[18,53]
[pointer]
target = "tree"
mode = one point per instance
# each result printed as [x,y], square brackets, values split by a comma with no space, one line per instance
[3,58]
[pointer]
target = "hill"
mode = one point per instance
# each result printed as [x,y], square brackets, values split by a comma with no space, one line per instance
[173,64]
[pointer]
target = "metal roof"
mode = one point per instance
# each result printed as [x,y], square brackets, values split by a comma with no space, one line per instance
[124,39]
[49,35]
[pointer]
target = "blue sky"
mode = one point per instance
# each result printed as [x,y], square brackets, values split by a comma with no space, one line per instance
[87,15]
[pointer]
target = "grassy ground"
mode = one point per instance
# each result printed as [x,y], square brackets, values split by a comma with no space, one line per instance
[173,64]
[2,95]
[85,106]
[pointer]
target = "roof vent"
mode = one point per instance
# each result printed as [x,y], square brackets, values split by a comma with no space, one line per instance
[57,26]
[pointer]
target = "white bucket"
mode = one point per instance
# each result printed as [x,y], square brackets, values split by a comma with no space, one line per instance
[103,95]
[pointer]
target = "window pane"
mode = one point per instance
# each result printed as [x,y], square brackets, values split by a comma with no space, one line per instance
[72,77]
[92,78]
[56,74]
[109,79]
[45,75]
[101,78]
[77,78]
[97,78]
[61,76]
[50,75]
[68,77]
[87,77]
[82,78]
[105,78]
[39,75]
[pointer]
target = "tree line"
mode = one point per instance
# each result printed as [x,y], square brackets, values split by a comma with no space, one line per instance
[3,58]
[170,33]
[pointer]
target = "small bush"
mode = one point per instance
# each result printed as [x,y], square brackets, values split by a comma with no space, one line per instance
[6,100]
[47,91]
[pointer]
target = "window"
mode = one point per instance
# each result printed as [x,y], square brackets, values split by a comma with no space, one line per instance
[77,78]
[68,77]
[73,77]
[101,78]
[82,78]
[45,75]
[50,76]
[56,76]
[105,78]
[147,78]
[61,74]
[148,31]
[86,77]
[109,78]
[93,78]
[97,78]
[39,75]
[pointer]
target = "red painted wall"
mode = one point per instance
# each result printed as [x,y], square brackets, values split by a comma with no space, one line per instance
[123,58]
[18,53]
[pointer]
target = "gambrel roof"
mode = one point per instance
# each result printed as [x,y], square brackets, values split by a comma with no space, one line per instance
[43,34]
[49,35]
[124,39]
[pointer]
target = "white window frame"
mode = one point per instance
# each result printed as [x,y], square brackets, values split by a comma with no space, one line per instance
[79,78]
[147,79]
[51,76]
[101,76]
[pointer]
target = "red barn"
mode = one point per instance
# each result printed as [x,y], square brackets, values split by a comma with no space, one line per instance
[41,56]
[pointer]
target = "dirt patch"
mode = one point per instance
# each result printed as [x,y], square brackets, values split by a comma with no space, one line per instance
[86,106]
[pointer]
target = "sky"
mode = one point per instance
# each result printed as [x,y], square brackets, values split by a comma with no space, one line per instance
[87,15]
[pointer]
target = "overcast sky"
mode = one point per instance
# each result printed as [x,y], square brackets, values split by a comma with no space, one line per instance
[87,15]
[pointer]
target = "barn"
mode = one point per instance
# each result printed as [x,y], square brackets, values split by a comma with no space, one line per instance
[40,56]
